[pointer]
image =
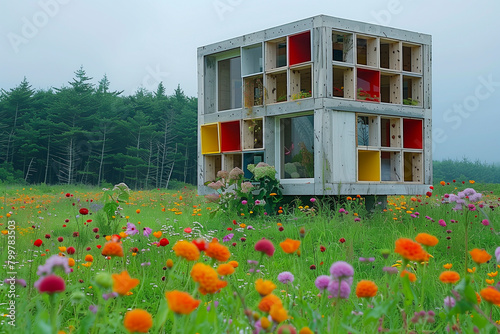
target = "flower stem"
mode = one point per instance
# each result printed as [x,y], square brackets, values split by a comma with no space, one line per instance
[53,312]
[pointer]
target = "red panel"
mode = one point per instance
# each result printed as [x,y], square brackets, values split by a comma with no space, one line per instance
[368,85]
[412,133]
[230,137]
[300,48]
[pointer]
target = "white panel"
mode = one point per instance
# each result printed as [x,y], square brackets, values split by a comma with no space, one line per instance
[344,146]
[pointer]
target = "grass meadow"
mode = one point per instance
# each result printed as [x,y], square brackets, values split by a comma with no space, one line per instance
[54,278]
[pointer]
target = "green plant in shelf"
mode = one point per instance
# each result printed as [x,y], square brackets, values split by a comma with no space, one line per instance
[362,95]
[410,102]
[302,95]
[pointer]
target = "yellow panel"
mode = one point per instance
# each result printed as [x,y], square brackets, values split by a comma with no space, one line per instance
[210,138]
[368,166]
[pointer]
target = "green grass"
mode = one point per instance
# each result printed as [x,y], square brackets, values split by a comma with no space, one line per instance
[47,208]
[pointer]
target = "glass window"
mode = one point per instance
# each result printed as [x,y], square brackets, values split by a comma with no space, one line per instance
[229,83]
[297,149]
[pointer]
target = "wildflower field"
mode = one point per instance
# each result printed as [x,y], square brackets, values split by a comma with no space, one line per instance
[84,260]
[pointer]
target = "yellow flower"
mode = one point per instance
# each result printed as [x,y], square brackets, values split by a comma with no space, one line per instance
[265,323]
[447,266]
[471,271]
[62,249]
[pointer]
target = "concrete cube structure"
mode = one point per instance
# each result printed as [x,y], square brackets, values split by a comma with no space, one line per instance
[339,107]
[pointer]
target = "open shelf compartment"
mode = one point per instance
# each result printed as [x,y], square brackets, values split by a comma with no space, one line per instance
[368,165]
[230,136]
[300,82]
[251,158]
[390,132]
[253,134]
[390,165]
[254,91]
[390,88]
[413,133]
[210,138]
[343,43]
[213,164]
[230,161]
[299,48]
[343,82]
[368,85]
[413,171]
[412,58]
[276,54]
[412,90]
[390,54]
[366,48]
[276,87]
[252,60]
[367,130]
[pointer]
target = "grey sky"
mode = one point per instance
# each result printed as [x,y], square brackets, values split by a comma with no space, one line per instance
[140,43]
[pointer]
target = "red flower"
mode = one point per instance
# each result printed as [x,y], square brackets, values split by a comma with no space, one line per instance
[322,248]
[229,228]
[70,250]
[88,248]
[312,267]
[431,187]
[243,239]
[188,230]
[47,236]
[76,234]
[201,244]
[463,182]
[38,242]
[265,246]
[429,193]
[68,195]
[60,239]
[51,284]
[234,222]
[84,211]
[66,220]
[95,229]
[64,225]
[99,246]
[234,244]
[164,242]
[281,228]
[342,240]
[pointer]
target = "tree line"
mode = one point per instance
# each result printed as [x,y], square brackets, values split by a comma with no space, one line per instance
[465,169]
[87,134]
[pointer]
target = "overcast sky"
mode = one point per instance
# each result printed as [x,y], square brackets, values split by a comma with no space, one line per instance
[140,43]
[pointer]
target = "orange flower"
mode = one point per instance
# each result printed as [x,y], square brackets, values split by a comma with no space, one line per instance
[492,274]
[235,264]
[442,183]
[411,276]
[480,255]
[112,248]
[306,330]
[366,289]
[447,266]
[89,258]
[123,283]
[410,250]
[278,313]
[186,250]
[138,210]
[62,249]
[491,295]
[170,263]
[71,262]
[157,234]
[181,302]
[268,301]
[265,323]
[217,251]
[478,297]
[289,246]
[449,277]
[264,288]
[426,239]
[138,320]
[225,269]
[207,277]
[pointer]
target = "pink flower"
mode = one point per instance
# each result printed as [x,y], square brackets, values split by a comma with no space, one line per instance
[50,284]
[442,222]
[312,200]
[485,222]
[147,231]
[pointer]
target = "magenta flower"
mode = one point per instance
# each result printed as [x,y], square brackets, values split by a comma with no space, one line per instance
[485,222]
[341,270]
[131,229]
[50,284]
[449,302]
[265,246]
[228,237]
[147,231]
[312,200]
[244,202]
[286,277]
[339,289]
[442,222]
[322,282]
